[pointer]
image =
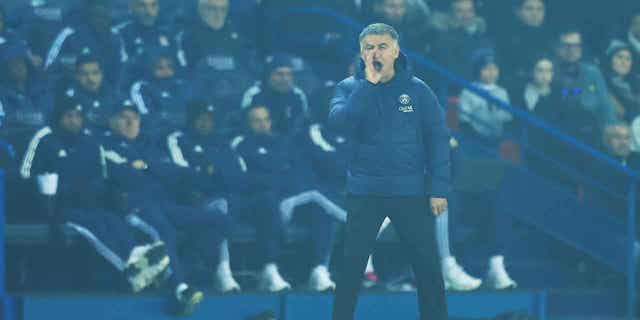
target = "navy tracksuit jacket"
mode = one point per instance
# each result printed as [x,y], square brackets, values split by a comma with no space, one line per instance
[398,133]
[152,190]
[82,192]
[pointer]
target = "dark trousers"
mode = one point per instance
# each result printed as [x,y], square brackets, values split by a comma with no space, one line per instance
[415,225]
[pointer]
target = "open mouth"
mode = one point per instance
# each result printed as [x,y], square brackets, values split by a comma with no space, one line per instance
[377,65]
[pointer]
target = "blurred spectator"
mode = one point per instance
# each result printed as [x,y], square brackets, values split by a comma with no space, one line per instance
[632,37]
[459,36]
[91,35]
[543,99]
[38,22]
[221,60]
[145,30]
[10,38]
[212,35]
[92,90]
[582,81]
[623,85]
[482,118]
[274,164]
[522,38]
[138,167]
[221,173]
[161,96]
[24,96]
[66,166]
[412,25]
[286,102]
[617,143]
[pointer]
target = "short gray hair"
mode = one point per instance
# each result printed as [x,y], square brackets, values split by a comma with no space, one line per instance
[379,29]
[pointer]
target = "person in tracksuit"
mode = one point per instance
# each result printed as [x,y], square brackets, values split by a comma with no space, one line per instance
[137,166]
[287,103]
[274,165]
[24,102]
[399,133]
[91,35]
[161,96]
[222,61]
[93,91]
[65,161]
[220,173]
[11,38]
[145,31]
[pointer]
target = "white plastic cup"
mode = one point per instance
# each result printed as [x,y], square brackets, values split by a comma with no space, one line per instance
[48,184]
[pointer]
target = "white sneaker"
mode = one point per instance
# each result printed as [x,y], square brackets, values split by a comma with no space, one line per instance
[497,276]
[271,280]
[224,281]
[320,279]
[455,278]
[145,264]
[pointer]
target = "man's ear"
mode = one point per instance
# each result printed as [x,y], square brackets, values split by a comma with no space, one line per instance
[396,50]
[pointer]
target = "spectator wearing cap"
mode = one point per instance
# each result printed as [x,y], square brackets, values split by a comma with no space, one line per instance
[287,103]
[464,33]
[581,82]
[66,163]
[622,83]
[93,91]
[161,96]
[480,117]
[527,27]
[219,172]
[92,35]
[141,168]
[275,165]
[24,95]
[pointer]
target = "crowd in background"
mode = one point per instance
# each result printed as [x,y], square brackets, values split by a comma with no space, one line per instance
[178,105]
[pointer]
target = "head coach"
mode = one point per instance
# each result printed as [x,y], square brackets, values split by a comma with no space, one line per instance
[400,136]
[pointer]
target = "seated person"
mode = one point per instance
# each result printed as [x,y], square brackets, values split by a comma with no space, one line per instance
[480,117]
[146,30]
[221,60]
[66,163]
[161,96]
[137,166]
[93,91]
[287,103]
[24,102]
[91,35]
[274,165]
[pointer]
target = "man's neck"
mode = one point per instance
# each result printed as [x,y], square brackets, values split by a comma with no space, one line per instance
[387,77]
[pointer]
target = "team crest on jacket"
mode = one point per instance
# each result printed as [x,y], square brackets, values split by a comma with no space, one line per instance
[62,153]
[198,149]
[404,99]
[262,150]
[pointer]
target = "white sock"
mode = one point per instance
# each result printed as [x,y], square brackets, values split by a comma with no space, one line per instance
[369,265]
[225,265]
[442,235]
[496,263]
[180,288]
